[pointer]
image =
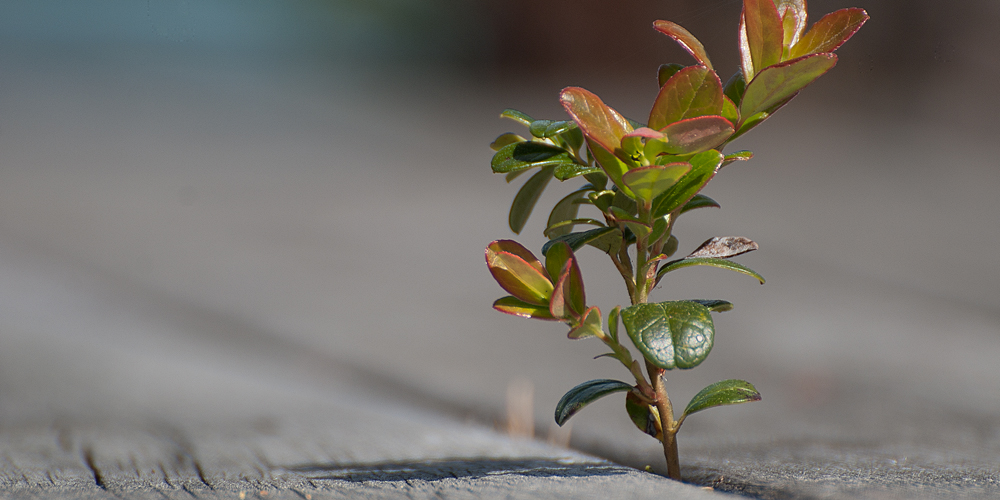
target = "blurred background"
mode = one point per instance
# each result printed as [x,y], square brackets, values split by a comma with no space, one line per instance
[299,190]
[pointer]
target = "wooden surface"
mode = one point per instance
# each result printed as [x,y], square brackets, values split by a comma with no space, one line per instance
[227,270]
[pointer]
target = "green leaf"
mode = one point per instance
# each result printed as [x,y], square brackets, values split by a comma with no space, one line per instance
[517,307]
[513,175]
[704,166]
[584,394]
[548,233]
[556,257]
[776,84]
[649,182]
[685,39]
[613,323]
[591,326]
[676,334]
[699,201]
[726,392]
[691,92]
[550,128]
[566,209]
[720,263]
[568,298]
[737,156]
[602,199]
[566,171]
[830,32]
[598,121]
[693,135]
[524,279]
[524,155]
[715,305]
[729,110]
[735,87]
[517,116]
[515,248]
[527,197]
[612,165]
[764,33]
[665,71]
[645,417]
[603,238]
[505,140]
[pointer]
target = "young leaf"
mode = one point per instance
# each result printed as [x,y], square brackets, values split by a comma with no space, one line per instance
[677,334]
[715,305]
[513,247]
[566,209]
[517,116]
[764,33]
[613,323]
[556,257]
[724,247]
[694,135]
[735,87]
[685,39]
[729,110]
[726,392]
[527,197]
[645,417]
[665,71]
[612,165]
[699,201]
[649,182]
[776,84]
[720,263]
[692,91]
[584,394]
[523,155]
[568,298]
[566,171]
[549,128]
[607,239]
[589,327]
[703,168]
[793,21]
[518,277]
[830,32]
[505,140]
[517,307]
[737,156]
[597,120]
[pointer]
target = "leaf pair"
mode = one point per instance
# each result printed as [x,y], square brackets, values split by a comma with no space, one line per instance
[645,416]
[552,292]
[774,31]
[779,57]
[715,253]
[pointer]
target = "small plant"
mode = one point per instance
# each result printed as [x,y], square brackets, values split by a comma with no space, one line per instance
[656,172]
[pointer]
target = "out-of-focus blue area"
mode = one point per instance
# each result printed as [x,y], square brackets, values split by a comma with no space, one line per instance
[349,30]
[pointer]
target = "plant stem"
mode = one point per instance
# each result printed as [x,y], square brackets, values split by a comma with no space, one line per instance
[667,423]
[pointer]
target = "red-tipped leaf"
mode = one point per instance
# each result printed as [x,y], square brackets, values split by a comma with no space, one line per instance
[685,39]
[691,92]
[764,33]
[517,307]
[778,83]
[524,279]
[830,32]
[597,120]
[694,135]
[793,21]
[568,298]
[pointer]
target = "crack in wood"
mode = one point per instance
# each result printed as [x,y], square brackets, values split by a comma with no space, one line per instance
[88,459]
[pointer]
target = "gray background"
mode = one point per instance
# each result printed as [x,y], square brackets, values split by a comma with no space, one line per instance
[269,192]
